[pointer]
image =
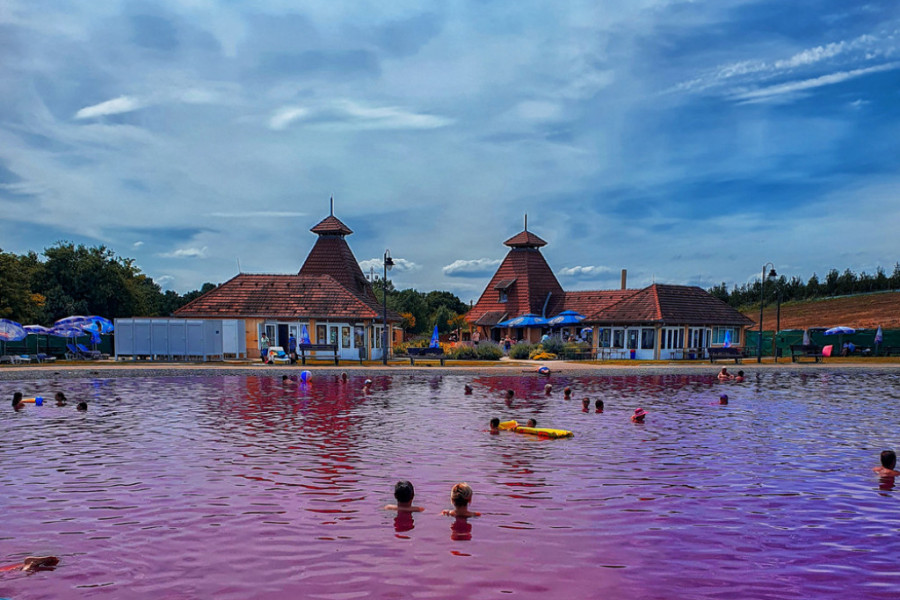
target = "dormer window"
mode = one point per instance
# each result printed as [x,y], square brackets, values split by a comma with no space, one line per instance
[503,287]
[503,296]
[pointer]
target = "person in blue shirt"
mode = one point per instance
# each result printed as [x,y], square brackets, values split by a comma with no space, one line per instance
[292,348]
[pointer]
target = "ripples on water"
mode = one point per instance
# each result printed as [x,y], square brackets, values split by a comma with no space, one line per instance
[239,487]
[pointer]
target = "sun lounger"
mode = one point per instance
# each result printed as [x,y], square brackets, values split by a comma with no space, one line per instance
[42,358]
[87,352]
[277,356]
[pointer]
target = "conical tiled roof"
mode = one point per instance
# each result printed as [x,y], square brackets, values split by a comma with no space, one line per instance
[525,239]
[331,225]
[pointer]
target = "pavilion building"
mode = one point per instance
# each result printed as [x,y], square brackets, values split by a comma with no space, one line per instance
[657,322]
[329,297]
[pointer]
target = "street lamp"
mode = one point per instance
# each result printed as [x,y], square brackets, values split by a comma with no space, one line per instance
[388,263]
[762,287]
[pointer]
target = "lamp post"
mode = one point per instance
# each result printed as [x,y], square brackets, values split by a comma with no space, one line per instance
[762,287]
[388,263]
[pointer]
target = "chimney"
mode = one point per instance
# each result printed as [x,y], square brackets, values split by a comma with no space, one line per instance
[624,277]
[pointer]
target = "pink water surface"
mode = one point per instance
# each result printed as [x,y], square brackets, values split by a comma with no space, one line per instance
[236,487]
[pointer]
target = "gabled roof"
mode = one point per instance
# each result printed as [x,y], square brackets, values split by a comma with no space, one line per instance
[491,318]
[281,296]
[671,304]
[591,302]
[525,239]
[331,225]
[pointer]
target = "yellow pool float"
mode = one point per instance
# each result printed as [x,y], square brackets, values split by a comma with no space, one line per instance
[543,432]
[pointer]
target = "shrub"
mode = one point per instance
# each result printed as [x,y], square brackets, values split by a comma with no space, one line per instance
[539,354]
[574,350]
[488,351]
[464,353]
[553,346]
[520,351]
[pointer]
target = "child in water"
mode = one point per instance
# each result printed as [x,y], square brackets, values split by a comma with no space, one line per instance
[888,462]
[585,404]
[460,496]
[404,492]
[495,425]
[598,406]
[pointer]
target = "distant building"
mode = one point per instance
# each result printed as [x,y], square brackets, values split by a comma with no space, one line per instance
[657,322]
[330,296]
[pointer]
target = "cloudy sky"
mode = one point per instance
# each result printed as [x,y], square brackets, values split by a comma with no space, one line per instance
[687,141]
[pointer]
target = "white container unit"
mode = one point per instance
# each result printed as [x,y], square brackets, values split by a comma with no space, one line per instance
[180,339]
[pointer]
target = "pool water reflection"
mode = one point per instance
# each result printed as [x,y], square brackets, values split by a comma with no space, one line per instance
[243,487]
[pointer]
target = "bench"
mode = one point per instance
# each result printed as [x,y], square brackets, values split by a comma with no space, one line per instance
[302,349]
[799,351]
[725,353]
[890,350]
[425,353]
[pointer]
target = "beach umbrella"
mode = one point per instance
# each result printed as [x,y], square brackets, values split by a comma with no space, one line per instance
[566,317]
[840,330]
[304,335]
[529,320]
[879,338]
[10,331]
[37,330]
[805,341]
[78,321]
[435,341]
[97,325]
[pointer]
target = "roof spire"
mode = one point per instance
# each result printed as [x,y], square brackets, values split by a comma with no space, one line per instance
[332,205]
[526,221]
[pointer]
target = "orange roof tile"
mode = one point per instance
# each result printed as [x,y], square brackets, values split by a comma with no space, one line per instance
[671,304]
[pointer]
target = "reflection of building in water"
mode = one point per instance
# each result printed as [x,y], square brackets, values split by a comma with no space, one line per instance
[329,299]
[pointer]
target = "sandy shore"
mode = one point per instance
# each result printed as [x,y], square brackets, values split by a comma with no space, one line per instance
[505,367]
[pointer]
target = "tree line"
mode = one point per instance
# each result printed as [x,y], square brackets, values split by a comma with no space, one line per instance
[76,280]
[421,311]
[835,284]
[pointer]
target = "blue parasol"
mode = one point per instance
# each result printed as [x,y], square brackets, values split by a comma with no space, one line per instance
[37,330]
[566,317]
[839,330]
[97,325]
[10,331]
[304,335]
[435,341]
[529,320]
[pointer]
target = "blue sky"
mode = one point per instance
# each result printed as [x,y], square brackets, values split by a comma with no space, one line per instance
[688,142]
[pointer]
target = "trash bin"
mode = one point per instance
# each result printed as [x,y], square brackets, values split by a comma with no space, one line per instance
[633,354]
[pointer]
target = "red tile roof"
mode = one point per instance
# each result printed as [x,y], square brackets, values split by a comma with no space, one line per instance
[331,225]
[670,304]
[590,302]
[280,296]
[525,239]
[491,318]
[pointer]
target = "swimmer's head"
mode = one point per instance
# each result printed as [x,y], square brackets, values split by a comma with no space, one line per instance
[495,423]
[461,495]
[598,404]
[548,388]
[16,399]
[404,491]
[740,373]
[60,397]
[888,459]
[532,423]
[468,388]
[344,376]
[510,394]
[586,403]
[723,399]
[567,391]
[367,382]
[82,406]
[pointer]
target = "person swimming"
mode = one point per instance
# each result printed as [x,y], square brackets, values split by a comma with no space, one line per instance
[460,496]
[495,425]
[585,404]
[598,406]
[888,462]
[344,377]
[724,375]
[531,423]
[638,416]
[567,393]
[740,377]
[82,406]
[33,563]
[467,389]
[723,399]
[548,389]
[367,386]
[404,492]
[509,396]
[61,399]
[17,402]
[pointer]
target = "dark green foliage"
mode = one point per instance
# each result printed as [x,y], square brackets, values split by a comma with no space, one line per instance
[835,284]
[520,351]
[488,351]
[464,353]
[553,346]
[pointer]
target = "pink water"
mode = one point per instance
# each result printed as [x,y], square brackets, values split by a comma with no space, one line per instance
[235,487]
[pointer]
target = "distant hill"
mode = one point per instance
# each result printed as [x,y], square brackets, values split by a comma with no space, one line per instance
[860,311]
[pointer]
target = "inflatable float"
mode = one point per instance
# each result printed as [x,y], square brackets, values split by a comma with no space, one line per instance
[541,432]
[507,425]
[38,401]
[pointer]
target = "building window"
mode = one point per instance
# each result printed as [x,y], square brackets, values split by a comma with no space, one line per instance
[345,337]
[718,335]
[503,296]
[648,339]
[605,338]
[618,339]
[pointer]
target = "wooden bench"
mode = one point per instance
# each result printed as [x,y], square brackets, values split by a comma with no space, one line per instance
[799,351]
[725,353]
[302,349]
[425,354]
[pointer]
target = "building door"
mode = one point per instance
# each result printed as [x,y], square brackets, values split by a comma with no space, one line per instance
[282,336]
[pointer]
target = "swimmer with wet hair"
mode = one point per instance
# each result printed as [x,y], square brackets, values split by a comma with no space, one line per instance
[585,404]
[510,395]
[495,425]
[404,492]
[567,393]
[531,423]
[33,563]
[888,462]
[724,375]
[723,399]
[82,406]
[548,389]
[598,406]
[17,402]
[468,389]
[367,386]
[740,377]
[344,377]
[460,496]
[61,399]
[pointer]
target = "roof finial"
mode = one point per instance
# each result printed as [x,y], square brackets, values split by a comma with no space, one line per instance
[526,221]
[332,205]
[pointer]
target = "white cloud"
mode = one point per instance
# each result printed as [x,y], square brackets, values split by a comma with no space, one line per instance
[767,93]
[538,110]
[164,281]
[471,268]
[589,272]
[137,244]
[401,265]
[116,106]
[187,253]
[355,115]
[287,115]
[253,214]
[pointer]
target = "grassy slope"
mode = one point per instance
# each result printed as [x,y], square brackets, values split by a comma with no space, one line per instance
[863,311]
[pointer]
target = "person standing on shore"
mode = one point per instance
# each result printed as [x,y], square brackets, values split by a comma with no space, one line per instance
[263,346]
